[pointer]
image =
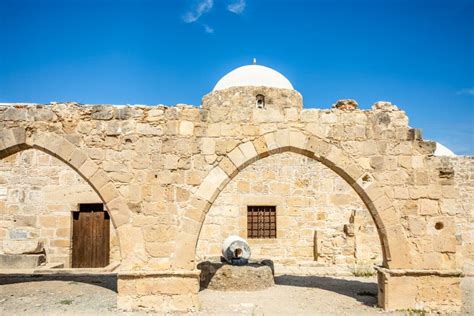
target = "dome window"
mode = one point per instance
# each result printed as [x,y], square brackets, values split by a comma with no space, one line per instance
[260,102]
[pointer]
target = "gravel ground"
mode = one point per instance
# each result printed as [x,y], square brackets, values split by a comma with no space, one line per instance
[292,295]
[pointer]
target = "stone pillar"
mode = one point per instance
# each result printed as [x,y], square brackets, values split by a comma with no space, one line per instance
[419,289]
[159,291]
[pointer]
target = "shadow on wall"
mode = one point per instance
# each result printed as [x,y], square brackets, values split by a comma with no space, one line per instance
[108,281]
[364,292]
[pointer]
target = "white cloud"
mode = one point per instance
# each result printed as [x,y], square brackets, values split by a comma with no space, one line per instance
[468,91]
[202,7]
[208,29]
[237,7]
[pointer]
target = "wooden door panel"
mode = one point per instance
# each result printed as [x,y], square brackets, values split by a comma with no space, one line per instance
[91,229]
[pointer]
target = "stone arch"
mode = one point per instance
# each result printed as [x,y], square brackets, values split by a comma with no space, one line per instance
[17,139]
[395,248]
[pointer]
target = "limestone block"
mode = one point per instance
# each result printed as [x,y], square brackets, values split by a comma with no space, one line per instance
[21,261]
[229,168]
[248,150]
[237,158]
[119,212]
[14,247]
[148,130]
[101,112]
[88,168]
[382,203]
[328,117]
[184,258]
[270,141]
[212,184]
[25,220]
[291,114]
[77,158]
[159,249]
[113,166]
[353,171]
[108,192]
[99,179]
[170,161]
[69,193]
[155,115]
[397,293]
[416,225]
[334,156]
[208,146]
[428,207]
[225,277]
[12,137]
[282,138]
[121,177]
[131,243]
[18,234]
[310,115]
[186,128]
[261,146]
[15,114]
[298,140]
[48,221]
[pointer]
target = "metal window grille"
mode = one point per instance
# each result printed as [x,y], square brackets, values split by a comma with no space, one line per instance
[261,221]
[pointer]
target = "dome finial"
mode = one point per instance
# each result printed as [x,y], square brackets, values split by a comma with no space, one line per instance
[254,61]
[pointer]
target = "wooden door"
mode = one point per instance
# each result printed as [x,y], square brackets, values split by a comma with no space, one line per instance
[90,237]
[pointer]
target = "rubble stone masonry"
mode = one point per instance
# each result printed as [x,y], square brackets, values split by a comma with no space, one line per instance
[160,170]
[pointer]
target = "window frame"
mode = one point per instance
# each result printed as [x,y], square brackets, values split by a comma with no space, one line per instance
[261,221]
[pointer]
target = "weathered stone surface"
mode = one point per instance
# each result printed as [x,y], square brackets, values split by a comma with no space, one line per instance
[226,277]
[20,261]
[285,180]
[40,214]
[149,164]
[384,105]
[346,104]
[18,247]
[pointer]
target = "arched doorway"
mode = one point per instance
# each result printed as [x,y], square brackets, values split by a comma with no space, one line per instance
[316,220]
[395,248]
[49,209]
[15,140]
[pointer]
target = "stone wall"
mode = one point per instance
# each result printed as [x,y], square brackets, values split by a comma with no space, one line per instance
[38,192]
[160,169]
[309,198]
[463,209]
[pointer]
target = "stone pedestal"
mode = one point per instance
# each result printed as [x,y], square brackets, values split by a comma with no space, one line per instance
[431,290]
[162,291]
[225,277]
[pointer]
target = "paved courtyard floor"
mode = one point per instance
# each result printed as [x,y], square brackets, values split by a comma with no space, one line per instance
[292,295]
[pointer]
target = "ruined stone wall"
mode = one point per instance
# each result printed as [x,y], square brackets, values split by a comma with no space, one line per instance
[38,192]
[309,198]
[463,209]
[160,169]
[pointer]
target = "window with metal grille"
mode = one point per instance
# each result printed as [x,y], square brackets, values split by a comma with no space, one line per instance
[261,221]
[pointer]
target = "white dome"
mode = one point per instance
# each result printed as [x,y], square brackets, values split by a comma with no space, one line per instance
[253,75]
[442,150]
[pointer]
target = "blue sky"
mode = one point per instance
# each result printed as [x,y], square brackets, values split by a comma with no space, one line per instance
[417,54]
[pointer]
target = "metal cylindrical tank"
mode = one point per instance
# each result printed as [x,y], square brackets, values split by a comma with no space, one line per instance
[236,250]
